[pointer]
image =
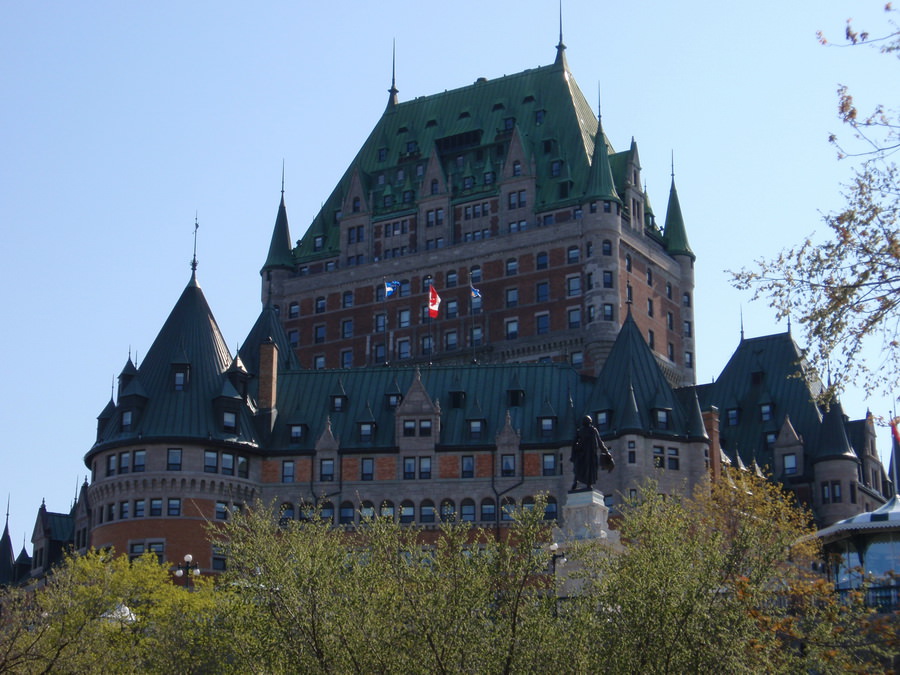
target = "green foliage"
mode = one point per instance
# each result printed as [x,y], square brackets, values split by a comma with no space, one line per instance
[845,289]
[719,582]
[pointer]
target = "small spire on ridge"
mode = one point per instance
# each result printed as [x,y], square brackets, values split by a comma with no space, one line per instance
[194,259]
[393,91]
[561,46]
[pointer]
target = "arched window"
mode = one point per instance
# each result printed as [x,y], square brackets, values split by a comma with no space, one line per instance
[550,509]
[347,514]
[367,510]
[407,512]
[448,510]
[426,511]
[327,512]
[507,508]
[387,509]
[286,513]
[488,510]
[467,510]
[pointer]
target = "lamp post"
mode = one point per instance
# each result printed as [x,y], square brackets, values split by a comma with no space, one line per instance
[189,568]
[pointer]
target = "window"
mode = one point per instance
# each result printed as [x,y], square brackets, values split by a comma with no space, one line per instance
[403,350]
[435,186]
[452,309]
[733,416]
[573,286]
[326,470]
[173,462]
[127,418]
[507,508]
[294,338]
[765,412]
[689,359]
[672,458]
[366,432]
[574,317]
[221,510]
[367,468]
[649,307]
[627,262]
[508,465]
[409,466]
[448,511]
[629,294]
[403,318]
[632,457]
[517,168]
[548,462]
[347,299]
[573,255]
[229,422]
[287,471]
[790,464]
[607,279]
[111,465]
[512,297]
[826,492]
[407,512]
[227,464]
[319,362]
[319,334]
[425,428]
[606,247]
[542,323]
[155,507]
[577,359]
[670,351]
[467,466]
[467,511]
[512,267]
[649,277]
[425,468]
[475,274]
[835,492]
[347,328]
[542,291]
[608,312]
[452,279]
[180,380]
[547,426]
[688,331]
[669,290]
[139,508]
[476,429]
[475,336]
[210,461]
[686,299]
[243,467]
[426,511]
[512,329]
[651,339]
[173,507]
[347,514]
[659,457]
[662,419]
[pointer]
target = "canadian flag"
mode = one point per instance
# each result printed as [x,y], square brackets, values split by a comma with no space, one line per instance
[434,302]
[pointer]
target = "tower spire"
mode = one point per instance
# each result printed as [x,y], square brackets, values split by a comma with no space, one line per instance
[561,46]
[194,259]
[393,91]
[282,178]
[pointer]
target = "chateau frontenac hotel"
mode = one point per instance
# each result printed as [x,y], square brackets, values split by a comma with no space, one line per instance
[488,270]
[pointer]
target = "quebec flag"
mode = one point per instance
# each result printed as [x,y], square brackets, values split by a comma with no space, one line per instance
[391,287]
[475,292]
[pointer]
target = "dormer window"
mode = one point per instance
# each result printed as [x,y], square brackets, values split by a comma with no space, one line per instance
[180,381]
[547,426]
[338,403]
[476,429]
[296,433]
[229,422]
[733,416]
[126,420]
[517,168]
[604,420]
[393,400]
[509,123]
[382,154]
[662,419]
[457,399]
[765,412]
[319,243]
[515,397]
[366,432]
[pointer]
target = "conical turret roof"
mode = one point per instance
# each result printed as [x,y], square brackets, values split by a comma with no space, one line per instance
[675,234]
[280,251]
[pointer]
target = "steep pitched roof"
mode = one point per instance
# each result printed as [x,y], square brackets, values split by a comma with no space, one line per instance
[7,557]
[833,442]
[189,341]
[632,381]
[675,234]
[280,255]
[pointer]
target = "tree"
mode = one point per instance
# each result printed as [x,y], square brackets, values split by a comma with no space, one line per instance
[845,290]
[722,581]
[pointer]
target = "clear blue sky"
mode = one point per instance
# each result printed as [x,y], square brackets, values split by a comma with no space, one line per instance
[120,121]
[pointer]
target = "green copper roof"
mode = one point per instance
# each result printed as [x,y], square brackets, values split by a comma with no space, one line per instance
[470,127]
[600,184]
[833,441]
[280,255]
[675,234]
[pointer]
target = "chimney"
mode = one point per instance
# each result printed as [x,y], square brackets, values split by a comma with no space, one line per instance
[711,422]
[268,380]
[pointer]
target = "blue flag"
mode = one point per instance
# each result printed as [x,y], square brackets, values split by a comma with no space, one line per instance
[475,292]
[391,287]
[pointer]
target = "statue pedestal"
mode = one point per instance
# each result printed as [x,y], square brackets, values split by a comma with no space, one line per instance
[585,516]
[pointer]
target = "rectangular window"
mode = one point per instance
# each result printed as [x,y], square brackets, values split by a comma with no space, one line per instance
[451,340]
[467,466]
[573,286]
[549,463]
[765,412]
[155,507]
[425,468]
[826,493]
[243,466]
[221,510]
[211,461]
[632,457]
[380,323]
[319,334]
[512,297]
[542,291]
[140,457]
[409,468]
[139,508]
[409,428]
[608,312]
[173,461]
[476,428]
[508,465]
[367,471]
[124,461]
[425,428]
[227,464]
[229,422]
[659,457]
[326,470]
[574,317]
[296,433]
[110,512]
[111,465]
[403,318]
[173,507]
[790,464]
[123,510]
[607,279]
[835,492]
[287,471]
[542,323]
[672,459]
[512,329]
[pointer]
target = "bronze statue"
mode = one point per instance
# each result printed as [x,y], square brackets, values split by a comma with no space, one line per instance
[588,454]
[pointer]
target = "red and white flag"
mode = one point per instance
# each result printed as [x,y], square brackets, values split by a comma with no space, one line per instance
[434,302]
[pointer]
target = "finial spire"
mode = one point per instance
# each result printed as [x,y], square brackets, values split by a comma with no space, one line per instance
[561,46]
[393,91]
[196,227]
[742,323]
[282,177]
[673,164]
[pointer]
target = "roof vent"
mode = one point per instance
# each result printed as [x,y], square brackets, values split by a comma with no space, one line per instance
[480,80]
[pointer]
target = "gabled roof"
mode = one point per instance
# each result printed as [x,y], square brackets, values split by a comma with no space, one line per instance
[267,326]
